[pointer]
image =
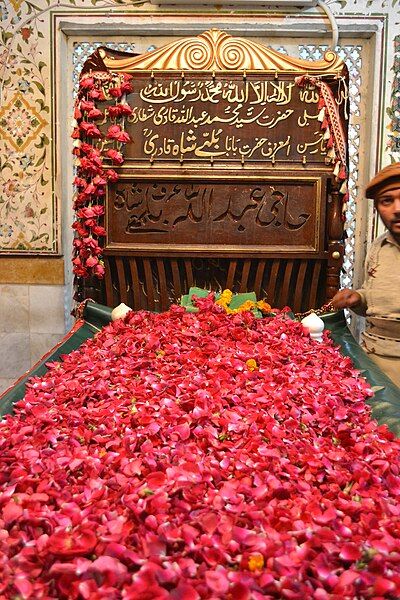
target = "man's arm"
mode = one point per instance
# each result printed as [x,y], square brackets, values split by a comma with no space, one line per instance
[354,299]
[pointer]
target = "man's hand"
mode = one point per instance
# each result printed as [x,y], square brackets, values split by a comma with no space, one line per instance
[346,299]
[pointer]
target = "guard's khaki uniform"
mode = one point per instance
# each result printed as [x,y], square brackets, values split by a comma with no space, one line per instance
[380,305]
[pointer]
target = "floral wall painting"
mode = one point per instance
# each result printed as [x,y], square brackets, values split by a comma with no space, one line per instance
[393,110]
[27,202]
[30,199]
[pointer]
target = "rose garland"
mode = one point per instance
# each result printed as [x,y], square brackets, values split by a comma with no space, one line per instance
[91,146]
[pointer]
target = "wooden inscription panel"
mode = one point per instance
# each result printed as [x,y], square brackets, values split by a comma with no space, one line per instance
[230,118]
[253,214]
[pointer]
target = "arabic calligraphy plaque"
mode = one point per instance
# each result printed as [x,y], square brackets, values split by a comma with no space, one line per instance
[229,118]
[250,215]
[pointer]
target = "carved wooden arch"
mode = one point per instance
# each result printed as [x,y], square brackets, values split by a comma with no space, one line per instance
[216,50]
[146,271]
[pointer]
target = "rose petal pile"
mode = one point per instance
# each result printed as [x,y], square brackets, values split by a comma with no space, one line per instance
[189,456]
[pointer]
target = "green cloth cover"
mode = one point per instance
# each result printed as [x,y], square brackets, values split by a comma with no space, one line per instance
[236,302]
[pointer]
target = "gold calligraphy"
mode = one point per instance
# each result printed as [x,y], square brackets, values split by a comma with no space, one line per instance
[214,143]
[258,92]
[236,119]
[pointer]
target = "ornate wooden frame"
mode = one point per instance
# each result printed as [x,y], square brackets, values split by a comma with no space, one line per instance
[148,274]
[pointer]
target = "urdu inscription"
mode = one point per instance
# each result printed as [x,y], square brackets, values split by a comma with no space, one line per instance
[235,212]
[257,118]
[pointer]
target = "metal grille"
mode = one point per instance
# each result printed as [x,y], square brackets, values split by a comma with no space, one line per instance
[351,55]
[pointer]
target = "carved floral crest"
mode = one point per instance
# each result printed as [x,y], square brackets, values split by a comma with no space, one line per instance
[216,50]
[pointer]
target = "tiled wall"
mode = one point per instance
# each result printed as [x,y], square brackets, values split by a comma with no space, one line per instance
[31,323]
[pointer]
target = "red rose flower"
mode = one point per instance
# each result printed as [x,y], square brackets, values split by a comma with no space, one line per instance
[86,83]
[90,129]
[92,261]
[113,132]
[95,114]
[80,182]
[99,271]
[123,137]
[111,175]
[115,91]
[126,110]
[86,105]
[96,95]
[114,111]
[115,156]
[99,180]
[98,230]
[126,87]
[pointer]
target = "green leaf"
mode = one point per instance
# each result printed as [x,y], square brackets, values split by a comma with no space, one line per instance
[40,87]
[6,35]
[41,65]
[42,105]
[38,237]
[40,161]
[43,210]
[40,34]
[377,388]
[38,8]
[43,182]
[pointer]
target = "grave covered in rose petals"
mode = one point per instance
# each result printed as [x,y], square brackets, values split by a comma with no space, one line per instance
[186,456]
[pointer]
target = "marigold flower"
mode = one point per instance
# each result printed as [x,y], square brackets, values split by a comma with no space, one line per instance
[251,364]
[256,561]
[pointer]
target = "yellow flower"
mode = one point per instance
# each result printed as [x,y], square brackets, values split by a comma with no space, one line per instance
[264,306]
[224,299]
[252,364]
[248,305]
[256,561]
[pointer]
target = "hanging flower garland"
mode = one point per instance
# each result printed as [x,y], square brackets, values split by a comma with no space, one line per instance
[92,145]
[334,135]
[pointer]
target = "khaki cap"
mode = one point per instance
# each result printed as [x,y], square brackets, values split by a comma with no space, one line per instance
[388,178]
